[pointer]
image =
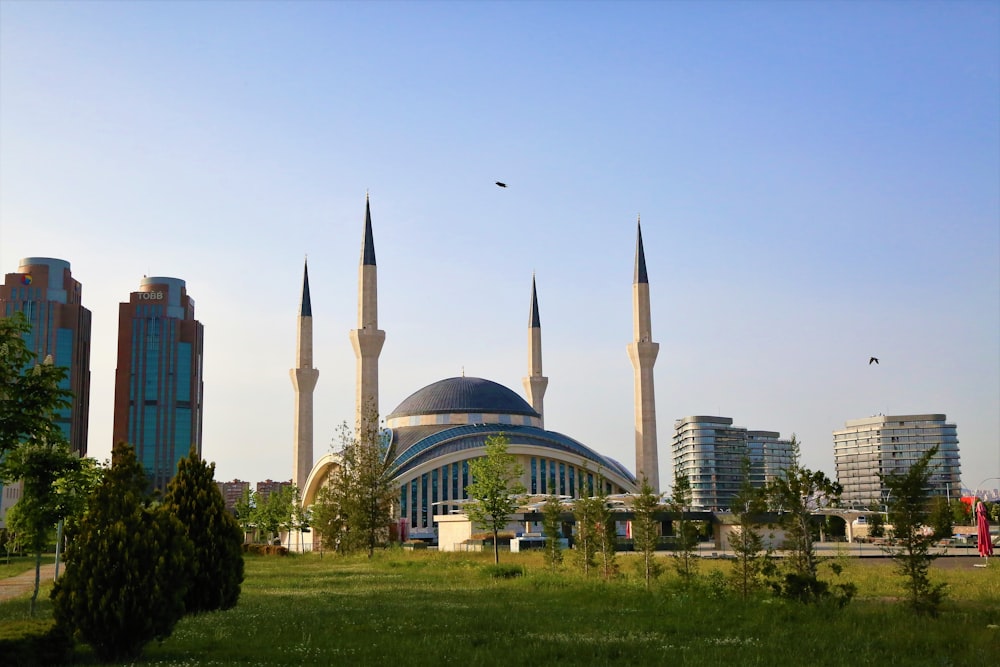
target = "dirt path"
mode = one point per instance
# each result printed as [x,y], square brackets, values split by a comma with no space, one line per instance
[24,583]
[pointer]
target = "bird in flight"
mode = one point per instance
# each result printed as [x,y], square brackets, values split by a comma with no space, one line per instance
[873,360]
[502,185]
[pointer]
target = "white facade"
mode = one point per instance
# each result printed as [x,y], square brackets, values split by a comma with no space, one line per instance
[890,444]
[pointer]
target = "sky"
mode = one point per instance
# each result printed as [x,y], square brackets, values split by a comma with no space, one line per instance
[818,183]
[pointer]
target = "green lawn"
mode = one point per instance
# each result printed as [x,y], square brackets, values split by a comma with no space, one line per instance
[414,608]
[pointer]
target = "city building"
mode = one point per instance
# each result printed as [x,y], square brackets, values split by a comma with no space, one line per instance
[267,487]
[867,448]
[158,381]
[232,492]
[710,452]
[44,290]
[438,429]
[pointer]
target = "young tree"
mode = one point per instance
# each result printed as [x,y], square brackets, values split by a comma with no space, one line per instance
[585,541]
[552,528]
[605,534]
[685,530]
[494,488]
[748,543]
[56,483]
[359,495]
[328,514]
[940,518]
[876,525]
[796,495]
[646,531]
[127,567]
[216,570]
[244,510]
[30,393]
[273,513]
[909,497]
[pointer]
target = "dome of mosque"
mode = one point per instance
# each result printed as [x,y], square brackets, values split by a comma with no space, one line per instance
[463,395]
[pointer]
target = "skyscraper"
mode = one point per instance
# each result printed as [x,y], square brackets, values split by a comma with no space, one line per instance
[44,290]
[158,382]
[866,449]
[710,452]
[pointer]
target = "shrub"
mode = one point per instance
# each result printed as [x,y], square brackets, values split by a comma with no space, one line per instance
[505,571]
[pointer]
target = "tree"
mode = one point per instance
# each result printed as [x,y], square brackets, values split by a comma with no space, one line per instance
[748,543]
[328,516]
[272,513]
[605,534]
[55,482]
[127,567]
[358,503]
[876,525]
[216,570]
[494,488]
[30,393]
[940,518]
[244,510]
[552,529]
[795,495]
[909,497]
[585,544]
[685,530]
[646,531]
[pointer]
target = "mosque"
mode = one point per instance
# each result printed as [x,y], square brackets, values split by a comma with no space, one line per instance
[438,429]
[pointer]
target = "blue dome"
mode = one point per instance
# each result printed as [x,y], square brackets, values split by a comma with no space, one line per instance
[463,395]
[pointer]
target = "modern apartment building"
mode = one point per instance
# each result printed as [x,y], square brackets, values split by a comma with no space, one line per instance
[710,452]
[158,381]
[889,444]
[44,290]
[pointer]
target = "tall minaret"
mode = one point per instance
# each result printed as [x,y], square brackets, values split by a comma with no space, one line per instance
[535,383]
[642,351]
[367,338]
[304,378]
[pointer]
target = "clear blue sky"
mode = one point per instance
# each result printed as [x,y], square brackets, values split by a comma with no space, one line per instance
[818,183]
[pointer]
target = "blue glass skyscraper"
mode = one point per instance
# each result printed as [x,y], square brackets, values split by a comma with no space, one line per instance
[158,381]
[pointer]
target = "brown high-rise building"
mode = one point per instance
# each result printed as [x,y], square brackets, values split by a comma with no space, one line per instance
[44,290]
[158,381]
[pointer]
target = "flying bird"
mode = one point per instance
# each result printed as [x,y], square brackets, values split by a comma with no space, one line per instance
[502,185]
[873,360]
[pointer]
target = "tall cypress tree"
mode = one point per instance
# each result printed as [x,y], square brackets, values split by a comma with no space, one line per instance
[127,567]
[194,499]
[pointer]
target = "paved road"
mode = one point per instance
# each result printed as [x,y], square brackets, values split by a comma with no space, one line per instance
[24,583]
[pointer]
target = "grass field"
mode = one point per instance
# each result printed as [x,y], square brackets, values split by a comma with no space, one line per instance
[416,608]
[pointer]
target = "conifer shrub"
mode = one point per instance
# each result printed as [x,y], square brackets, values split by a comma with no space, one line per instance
[127,567]
[216,570]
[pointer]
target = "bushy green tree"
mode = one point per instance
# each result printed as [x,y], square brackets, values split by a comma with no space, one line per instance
[646,532]
[216,570]
[272,514]
[909,513]
[30,392]
[494,488]
[685,531]
[876,525]
[940,518]
[552,528]
[127,567]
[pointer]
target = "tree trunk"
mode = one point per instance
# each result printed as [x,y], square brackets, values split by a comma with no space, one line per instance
[38,575]
[496,547]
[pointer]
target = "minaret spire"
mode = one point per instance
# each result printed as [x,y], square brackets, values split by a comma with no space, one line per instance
[304,378]
[535,383]
[367,339]
[642,352]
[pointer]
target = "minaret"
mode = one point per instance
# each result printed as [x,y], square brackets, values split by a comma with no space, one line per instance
[535,383]
[367,338]
[642,351]
[304,378]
